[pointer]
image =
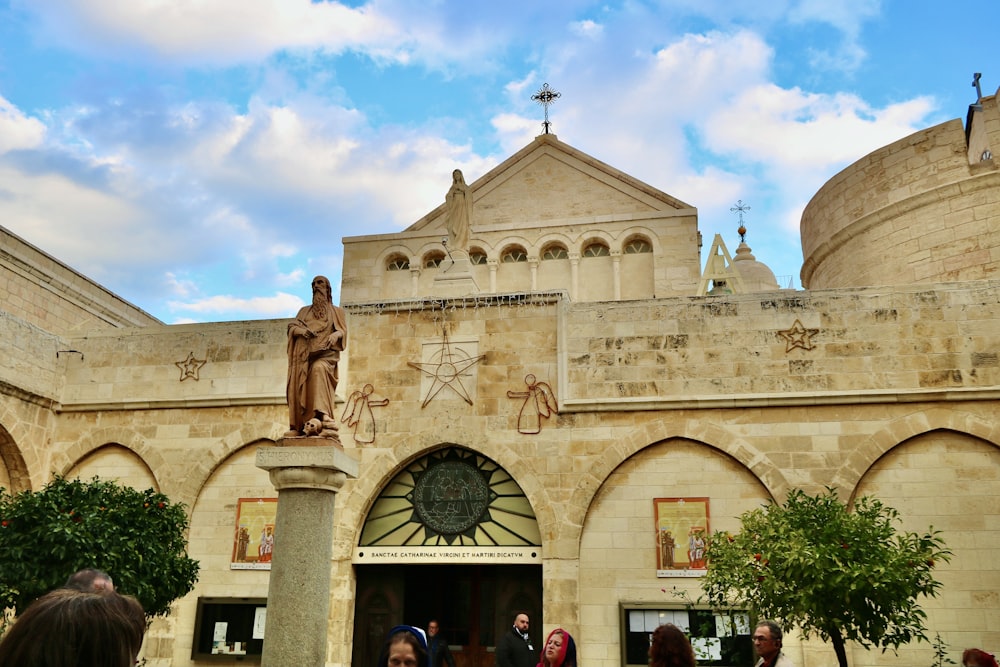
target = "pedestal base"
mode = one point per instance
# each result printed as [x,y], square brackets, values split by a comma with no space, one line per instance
[454,277]
[298,598]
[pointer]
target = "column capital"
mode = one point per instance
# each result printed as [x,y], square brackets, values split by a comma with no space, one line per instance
[322,479]
[324,468]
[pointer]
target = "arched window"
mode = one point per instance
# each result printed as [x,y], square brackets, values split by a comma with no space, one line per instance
[397,263]
[482,505]
[555,251]
[637,246]
[433,260]
[477,256]
[514,254]
[596,249]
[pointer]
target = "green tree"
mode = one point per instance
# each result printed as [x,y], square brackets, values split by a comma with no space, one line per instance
[138,537]
[843,574]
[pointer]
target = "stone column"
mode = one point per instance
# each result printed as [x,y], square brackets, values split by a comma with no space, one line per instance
[492,263]
[415,276]
[307,479]
[616,269]
[574,275]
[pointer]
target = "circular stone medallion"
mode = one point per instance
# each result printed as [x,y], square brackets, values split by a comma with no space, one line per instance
[451,497]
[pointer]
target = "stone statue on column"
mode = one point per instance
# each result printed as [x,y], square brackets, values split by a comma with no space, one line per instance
[316,338]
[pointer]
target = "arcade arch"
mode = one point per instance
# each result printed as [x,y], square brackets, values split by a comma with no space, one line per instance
[618,542]
[450,536]
[949,481]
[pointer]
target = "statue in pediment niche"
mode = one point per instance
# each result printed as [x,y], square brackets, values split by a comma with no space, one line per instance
[316,337]
[458,212]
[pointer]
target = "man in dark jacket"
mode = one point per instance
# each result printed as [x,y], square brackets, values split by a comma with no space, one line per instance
[514,648]
[437,647]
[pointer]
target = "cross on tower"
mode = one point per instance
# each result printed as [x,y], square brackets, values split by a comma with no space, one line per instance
[975,84]
[740,209]
[546,96]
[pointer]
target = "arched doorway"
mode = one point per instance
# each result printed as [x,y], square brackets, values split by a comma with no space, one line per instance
[473,604]
[451,537]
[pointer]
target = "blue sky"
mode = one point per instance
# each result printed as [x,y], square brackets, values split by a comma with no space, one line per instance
[203,159]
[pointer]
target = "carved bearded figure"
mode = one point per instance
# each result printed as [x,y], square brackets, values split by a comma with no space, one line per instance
[316,338]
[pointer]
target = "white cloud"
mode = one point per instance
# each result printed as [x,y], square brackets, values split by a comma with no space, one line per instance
[279,305]
[18,131]
[587,28]
[42,207]
[220,31]
[846,15]
[793,130]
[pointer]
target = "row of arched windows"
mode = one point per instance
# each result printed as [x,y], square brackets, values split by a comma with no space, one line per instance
[516,253]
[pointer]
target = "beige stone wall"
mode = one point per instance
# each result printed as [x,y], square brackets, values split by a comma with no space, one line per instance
[951,481]
[547,194]
[230,364]
[914,211]
[672,269]
[544,190]
[617,546]
[117,463]
[213,525]
[862,342]
[658,398]
[32,359]
[40,289]
[726,427]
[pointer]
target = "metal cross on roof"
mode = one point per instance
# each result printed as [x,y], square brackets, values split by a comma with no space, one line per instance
[546,96]
[740,209]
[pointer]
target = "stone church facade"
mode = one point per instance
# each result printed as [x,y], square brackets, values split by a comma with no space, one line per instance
[516,409]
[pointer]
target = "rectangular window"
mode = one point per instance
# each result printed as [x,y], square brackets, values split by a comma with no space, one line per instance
[719,639]
[232,627]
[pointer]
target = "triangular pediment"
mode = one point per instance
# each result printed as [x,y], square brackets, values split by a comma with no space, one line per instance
[550,181]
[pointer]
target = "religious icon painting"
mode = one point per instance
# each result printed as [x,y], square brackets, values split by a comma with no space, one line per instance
[253,539]
[681,533]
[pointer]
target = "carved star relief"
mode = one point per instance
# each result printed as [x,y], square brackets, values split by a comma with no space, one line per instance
[798,336]
[449,369]
[190,367]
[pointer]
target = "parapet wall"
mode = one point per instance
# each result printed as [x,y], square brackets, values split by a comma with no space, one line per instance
[39,289]
[915,211]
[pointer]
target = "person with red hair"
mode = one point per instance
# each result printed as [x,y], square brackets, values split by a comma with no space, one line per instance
[670,647]
[559,650]
[974,657]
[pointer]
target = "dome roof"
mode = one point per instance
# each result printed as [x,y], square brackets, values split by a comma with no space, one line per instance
[757,277]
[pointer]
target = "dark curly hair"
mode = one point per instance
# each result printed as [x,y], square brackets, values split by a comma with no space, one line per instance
[670,648]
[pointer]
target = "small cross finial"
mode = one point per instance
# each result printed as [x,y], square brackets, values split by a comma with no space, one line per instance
[546,96]
[740,209]
[975,84]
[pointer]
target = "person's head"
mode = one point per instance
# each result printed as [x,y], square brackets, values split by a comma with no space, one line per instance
[90,579]
[974,657]
[69,627]
[432,627]
[559,650]
[405,646]
[670,646]
[322,290]
[767,639]
[521,621]
[457,177]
